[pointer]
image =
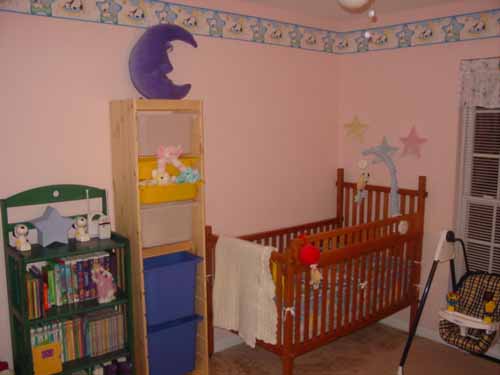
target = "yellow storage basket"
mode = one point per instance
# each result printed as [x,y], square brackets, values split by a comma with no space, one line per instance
[148,163]
[167,193]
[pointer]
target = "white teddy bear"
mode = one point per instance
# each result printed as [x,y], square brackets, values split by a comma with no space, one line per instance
[81,233]
[21,236]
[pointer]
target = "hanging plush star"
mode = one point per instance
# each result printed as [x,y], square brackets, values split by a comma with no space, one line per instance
[356,129]
[412,143]
[52,227]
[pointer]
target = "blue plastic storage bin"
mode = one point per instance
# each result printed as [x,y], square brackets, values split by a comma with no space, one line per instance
[172,346]
[170,281]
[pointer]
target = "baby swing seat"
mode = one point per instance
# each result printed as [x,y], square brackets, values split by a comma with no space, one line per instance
[474,323]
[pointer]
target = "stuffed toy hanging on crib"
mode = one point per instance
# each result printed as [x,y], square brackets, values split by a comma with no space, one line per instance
[362,182]
[309,255]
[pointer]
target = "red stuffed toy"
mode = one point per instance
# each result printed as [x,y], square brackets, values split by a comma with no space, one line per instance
[310,255]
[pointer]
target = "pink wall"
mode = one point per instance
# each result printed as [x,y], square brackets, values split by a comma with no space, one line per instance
[274,118]
[270,120]
[391,91]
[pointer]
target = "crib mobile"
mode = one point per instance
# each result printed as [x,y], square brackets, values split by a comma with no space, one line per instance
[471,320]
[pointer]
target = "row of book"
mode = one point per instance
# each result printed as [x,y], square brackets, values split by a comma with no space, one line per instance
[91,335]
[68,280]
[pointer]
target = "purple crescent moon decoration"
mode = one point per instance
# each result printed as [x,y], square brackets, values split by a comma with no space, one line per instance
[149,63]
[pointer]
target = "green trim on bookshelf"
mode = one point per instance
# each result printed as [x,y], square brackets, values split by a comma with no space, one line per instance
[39,253]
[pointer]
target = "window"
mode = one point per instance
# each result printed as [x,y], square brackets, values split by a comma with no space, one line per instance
[479,199]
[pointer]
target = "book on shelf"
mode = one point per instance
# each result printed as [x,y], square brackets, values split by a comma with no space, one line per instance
[68,280]
[83,336]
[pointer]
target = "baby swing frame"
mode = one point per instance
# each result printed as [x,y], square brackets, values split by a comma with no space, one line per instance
[443,254]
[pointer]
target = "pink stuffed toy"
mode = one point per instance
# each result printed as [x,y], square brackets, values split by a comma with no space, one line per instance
[106,287]
[171,155]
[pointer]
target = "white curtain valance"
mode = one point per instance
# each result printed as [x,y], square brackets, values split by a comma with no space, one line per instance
[481,82]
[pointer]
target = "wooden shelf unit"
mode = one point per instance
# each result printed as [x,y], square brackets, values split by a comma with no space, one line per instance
[127,146]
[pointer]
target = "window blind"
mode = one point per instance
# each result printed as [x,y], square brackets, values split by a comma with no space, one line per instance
[479,219]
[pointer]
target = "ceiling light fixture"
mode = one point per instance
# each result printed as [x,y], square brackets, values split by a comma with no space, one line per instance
[353,4]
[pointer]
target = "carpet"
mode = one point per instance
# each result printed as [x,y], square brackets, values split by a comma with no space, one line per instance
[375,350]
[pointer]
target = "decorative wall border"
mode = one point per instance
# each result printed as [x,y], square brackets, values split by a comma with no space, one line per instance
[220,24]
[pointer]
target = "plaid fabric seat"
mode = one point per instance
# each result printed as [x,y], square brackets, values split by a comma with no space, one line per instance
[472,289]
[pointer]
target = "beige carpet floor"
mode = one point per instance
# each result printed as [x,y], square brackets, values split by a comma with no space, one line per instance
[375,350]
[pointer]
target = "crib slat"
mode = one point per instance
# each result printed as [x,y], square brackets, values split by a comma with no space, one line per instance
[355,286]
[347,206]
[404,270]
[378,283]
[347,304]
[324,297]
[332,304]
[307,305]
[298,306]
[315,312]
[385,279]
[370,207]
[403,204]
[340,295]
[386,205]
[412,205]
[279,301]
[369,284]
[397,271]
[354,208]
[362,291]
[362,212]
[377,205]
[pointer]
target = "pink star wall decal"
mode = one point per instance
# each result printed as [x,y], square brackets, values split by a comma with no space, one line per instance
[412,144]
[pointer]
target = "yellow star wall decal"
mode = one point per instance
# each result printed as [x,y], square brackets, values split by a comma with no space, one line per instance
[355,129]
[412,144]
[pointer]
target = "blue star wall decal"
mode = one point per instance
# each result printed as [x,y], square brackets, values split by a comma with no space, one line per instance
[216,25]
[52,227]
[328,41]
[383,148]
[296,37]
[405,36]
[452,30]
[259,32]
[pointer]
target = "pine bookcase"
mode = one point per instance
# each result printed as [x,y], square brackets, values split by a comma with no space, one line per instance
[138,127]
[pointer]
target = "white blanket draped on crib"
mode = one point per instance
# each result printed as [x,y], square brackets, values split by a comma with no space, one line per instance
[243,296]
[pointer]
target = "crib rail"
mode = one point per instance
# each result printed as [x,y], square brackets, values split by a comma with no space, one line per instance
[364,282]
[278,238]
[376,204]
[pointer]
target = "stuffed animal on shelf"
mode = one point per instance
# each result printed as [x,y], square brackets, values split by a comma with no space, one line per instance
[106,287]
[21,235]
[452,298]
[160,175]
[309,255]
[81,232]
[171,155]
[489,307]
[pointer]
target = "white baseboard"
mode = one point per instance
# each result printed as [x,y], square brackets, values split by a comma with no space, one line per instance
[431,334]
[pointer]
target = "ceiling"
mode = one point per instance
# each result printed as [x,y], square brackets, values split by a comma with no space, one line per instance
[331,9]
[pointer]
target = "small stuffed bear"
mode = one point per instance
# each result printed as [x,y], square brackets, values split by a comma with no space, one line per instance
[106,287]
[80,226]
[361,185]
[21,236]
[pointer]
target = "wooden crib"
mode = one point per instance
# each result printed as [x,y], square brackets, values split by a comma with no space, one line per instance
[370,264]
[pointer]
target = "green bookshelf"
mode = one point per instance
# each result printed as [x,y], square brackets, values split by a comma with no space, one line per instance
[18,263]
